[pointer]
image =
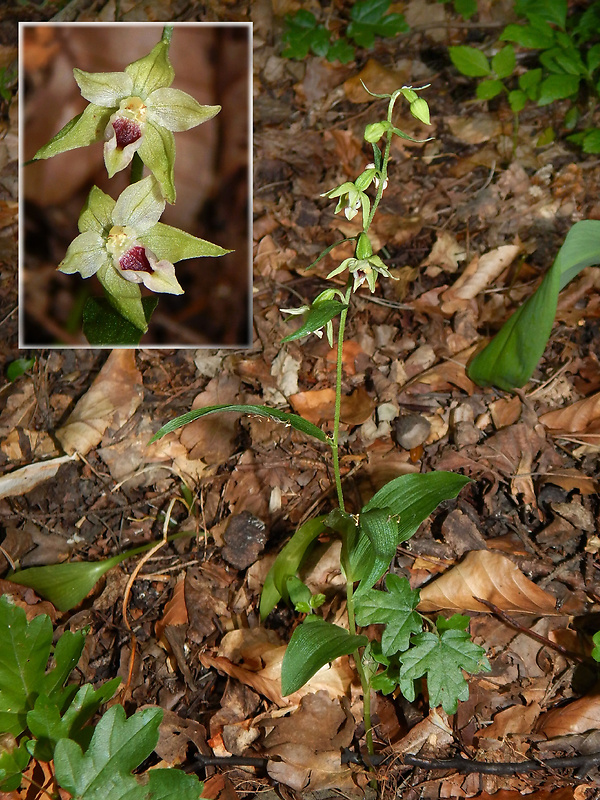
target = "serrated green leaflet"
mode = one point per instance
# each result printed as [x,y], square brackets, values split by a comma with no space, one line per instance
[442,658]
[314,644]
[395,609]
[293,420]
[510,358]
[23,659]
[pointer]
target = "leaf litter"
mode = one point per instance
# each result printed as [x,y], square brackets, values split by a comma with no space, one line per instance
[476,227]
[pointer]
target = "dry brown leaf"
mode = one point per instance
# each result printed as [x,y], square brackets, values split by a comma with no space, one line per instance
[308,742]
[582,417]
[318,405]
[474,128]
[494,578]
[445,255]
[27,478]
[212,438]
[570,478]
[516,719]
[505,411]
[112,399]
[175,610]
[377,78]
[479,274]
[261,670]
[578,717]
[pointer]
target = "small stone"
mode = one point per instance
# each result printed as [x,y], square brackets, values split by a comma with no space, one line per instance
[245,538]
[465,433]
[411,430]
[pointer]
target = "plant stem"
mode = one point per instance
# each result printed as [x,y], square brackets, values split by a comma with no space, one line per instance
[338,401]
[167,34]
[364,681]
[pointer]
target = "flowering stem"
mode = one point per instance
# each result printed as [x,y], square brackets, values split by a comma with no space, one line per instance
[338,401]
[384,166]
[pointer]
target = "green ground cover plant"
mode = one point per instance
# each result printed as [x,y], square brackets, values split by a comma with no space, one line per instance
[412,646]
[47,719]
[554,55]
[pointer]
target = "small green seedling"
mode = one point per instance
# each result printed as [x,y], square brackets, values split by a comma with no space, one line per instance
[368,19]
[567,49]
[412,647]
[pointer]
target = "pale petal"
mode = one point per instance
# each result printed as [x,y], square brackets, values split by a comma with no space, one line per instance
[86,254]
[140,205]
[116,158]
[162,279]
[177,111]
[104,88]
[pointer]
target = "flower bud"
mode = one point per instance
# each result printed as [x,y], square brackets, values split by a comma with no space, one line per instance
[375,131]
[420,110]
[364,248]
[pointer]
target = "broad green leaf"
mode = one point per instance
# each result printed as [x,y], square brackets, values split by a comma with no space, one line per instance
[302,34]
[341,51]
[13,762]
[369,19]
[510,358]
[596,650]
[535,37]
[562,60]
[67,584]
[380,526]
[591,141]
[66,654]
[442,658]
[287,563]
[118,746]
[470,61]
[503,63]
[529,82]
[593,58]
[166,784]
[487,90]
[316,317]
[293,420]
[411,497]
[466,8]
[23,658]
[557,87]
[124,296]
[48,724]
[554,11]
[517,100]
[314,644]
[395,609]
[456,622]
[104,326]
[19,367]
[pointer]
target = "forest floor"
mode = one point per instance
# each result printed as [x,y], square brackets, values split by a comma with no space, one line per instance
[185,633]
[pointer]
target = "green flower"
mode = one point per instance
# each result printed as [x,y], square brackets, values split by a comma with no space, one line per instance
[124,244]
[351,198]
[365,270]
[133,111]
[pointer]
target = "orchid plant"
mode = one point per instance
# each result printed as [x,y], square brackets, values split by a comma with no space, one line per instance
[412,647]
[122,242]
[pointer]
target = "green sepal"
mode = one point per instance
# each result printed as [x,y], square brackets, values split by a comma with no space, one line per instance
[175,245]
[97,212]
[314,644]
[84,129]
[123,295]
[153,71]
[157,151]
[317,316]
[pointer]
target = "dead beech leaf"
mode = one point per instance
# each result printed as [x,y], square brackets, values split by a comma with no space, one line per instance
[26,478]
[175,611]
[212,439]
[112,399]
[494,578]
[474,128]
[578,717]
[308,742]
[570,478]
[515,719]
[479,274]
[377,78]
[261,668]
[318,405]
[582,417]
[445,255]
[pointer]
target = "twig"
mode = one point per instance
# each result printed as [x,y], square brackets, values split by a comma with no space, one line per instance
[498,612]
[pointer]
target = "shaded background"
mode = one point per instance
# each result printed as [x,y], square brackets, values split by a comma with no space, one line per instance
[211,63]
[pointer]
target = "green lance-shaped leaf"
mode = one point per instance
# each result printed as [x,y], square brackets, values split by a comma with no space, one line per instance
[510,358]
[299,423]
[287,563]
[317,317]
[395,609]
[411,497]
[381,528]
[66,585]
[314,644]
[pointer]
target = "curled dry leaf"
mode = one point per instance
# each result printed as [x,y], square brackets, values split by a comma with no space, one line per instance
[111,400]
[581,418]
[377,78]
[578,717]
[515,719]
[261,668]
[479,274]
[27,478]
[317,405]
[492,577]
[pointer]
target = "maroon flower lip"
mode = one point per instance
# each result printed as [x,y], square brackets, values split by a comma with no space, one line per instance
[127,131]
[135,259]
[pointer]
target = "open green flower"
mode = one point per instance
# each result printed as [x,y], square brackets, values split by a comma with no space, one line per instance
[124,244]
[365,270]
[133,111]
[351,198]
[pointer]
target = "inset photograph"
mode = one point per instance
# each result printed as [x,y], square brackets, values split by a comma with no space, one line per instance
[134,186]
